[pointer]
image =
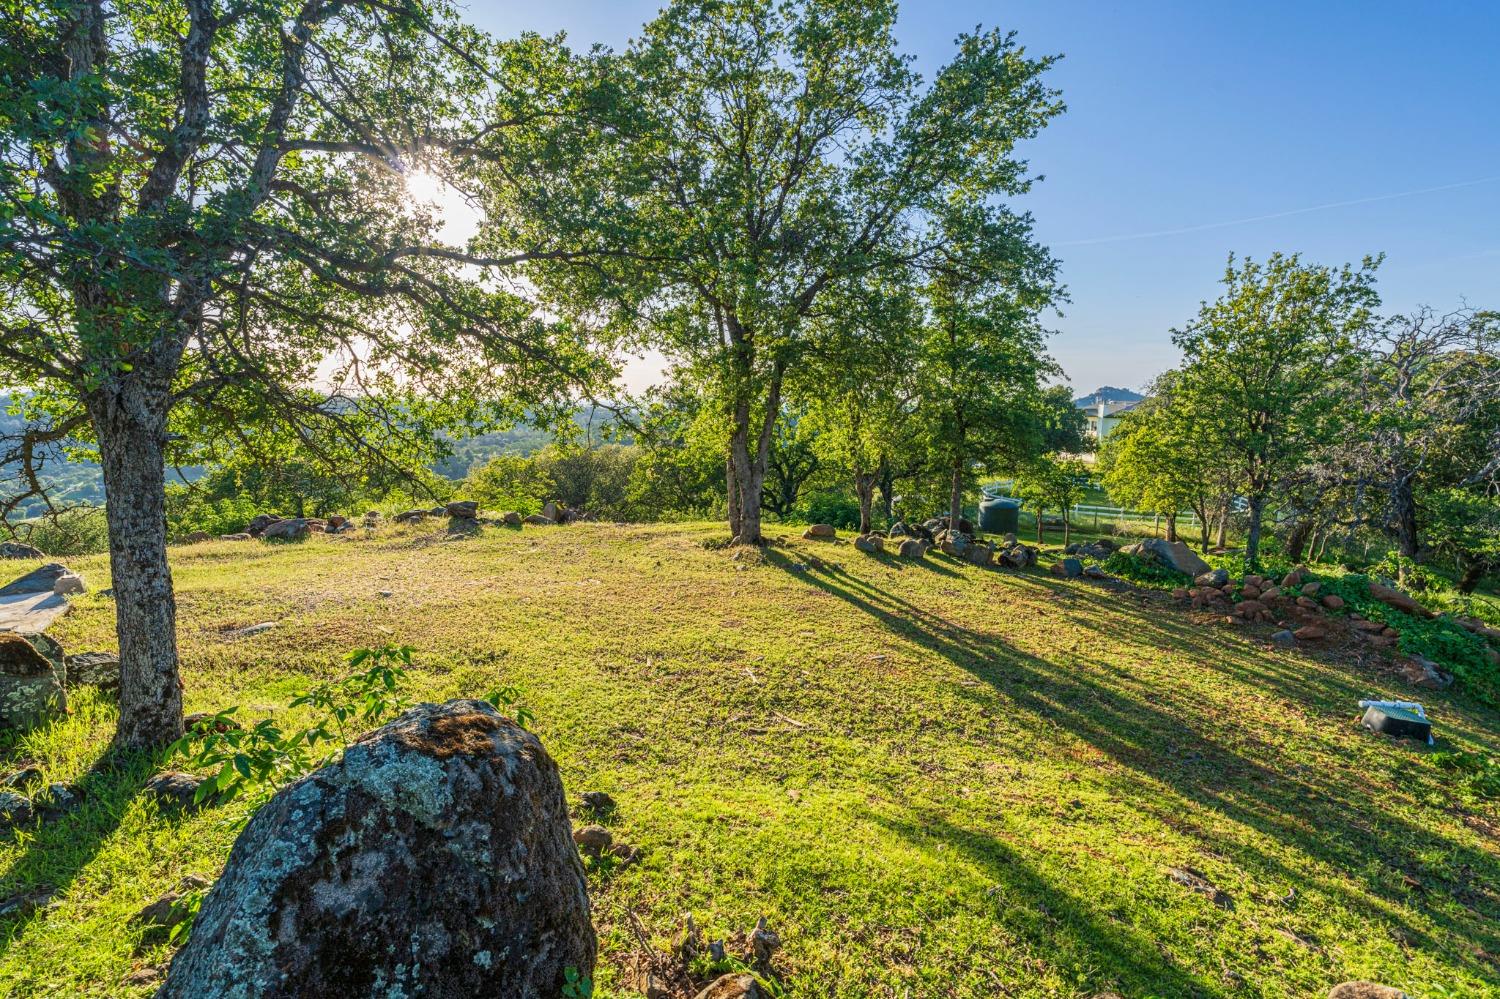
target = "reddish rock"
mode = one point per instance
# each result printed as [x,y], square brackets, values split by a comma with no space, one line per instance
[1271,593]
[1250,592]
[1307,602]
[1311,632]
[1333,602]
[1401,601]
[1248,608]
[1311,589]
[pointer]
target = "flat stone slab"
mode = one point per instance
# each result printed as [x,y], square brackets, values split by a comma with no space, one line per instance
[42,580]
[31,613]
[28,605]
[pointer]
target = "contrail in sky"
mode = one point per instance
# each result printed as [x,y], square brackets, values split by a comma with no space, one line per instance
[1277,215]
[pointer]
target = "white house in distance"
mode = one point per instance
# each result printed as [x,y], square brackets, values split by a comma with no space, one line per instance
[1105,406]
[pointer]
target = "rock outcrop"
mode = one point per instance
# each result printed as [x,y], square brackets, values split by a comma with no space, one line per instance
[435,858]
[31,684]
[1172,554]
[287,530]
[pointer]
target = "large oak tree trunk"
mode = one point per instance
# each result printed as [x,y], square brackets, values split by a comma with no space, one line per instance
[1296,542]
[130,421]
[864,488]
[887,493]
[1404,509]
[1252,541]
[733,487]
[749,477]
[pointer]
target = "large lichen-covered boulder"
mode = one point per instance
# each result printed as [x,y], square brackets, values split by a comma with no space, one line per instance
[287,530]
[31,684]
[434,859]
[1172,554]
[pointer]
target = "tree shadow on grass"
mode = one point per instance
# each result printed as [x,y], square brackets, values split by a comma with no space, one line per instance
[60,849]
[1058,924]
[1178,763]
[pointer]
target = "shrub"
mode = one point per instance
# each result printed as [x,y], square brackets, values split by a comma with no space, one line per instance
[828,508]
[1145,571]
[510,482]
[1272,563]
[190,510]
[81,531]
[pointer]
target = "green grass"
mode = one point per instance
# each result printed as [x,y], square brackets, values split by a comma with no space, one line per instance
[932,779]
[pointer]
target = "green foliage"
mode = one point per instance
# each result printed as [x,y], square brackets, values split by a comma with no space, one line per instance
[981,361]
[1413,575]
[1465,524]
[1476,776]
[1438,639]
[1161,458]
[189,906]
[507,700]
[510,482]
[1145,571]
[191,509]
[259,760]
[753,160]
[829,507]
[576,984]
[1264,369]
[596,479]
[81,531]
[264,757]
[1271,563]
[1053,484]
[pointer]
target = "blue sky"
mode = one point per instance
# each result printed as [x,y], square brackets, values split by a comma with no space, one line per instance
[1186,115]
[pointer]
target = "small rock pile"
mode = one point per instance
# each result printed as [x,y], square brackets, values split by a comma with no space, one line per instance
[1300,606]
[1100,549]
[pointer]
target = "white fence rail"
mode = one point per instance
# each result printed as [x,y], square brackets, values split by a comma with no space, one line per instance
[1082,513]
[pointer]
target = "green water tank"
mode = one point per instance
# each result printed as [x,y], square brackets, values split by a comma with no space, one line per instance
[999,514]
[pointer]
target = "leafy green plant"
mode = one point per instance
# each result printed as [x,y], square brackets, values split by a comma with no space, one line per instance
[1414,576]
[189,904]
[1439,639]
[1272,563]
[1476,775]
[508,699]
[1145,572]
[576,985]
[264,757]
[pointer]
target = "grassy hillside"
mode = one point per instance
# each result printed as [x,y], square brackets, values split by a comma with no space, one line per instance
[932,779]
